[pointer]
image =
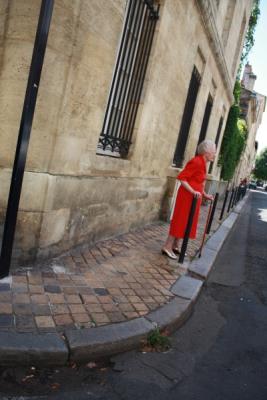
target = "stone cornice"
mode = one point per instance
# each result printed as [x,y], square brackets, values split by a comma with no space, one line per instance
[207,12]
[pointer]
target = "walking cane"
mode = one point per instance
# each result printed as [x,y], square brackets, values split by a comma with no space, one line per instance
[205,230]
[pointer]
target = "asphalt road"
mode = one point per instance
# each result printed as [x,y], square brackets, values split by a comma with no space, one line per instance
[220,353]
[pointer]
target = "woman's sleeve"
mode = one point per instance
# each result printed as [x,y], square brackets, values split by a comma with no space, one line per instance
[189,170]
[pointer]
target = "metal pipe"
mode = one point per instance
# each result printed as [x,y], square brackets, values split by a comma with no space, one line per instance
[234,198]
[239,193]
[205,230]
[188,229]
[24,134]
[230,201]
[213,212]
[224,204]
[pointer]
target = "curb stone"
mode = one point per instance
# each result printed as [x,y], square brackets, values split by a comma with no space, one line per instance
[230,220]
[31,349]
[216,241]
[171,315]
[187,288]
[201,268]
[89,344]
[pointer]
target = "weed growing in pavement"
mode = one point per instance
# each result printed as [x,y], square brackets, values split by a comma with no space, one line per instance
[158,341]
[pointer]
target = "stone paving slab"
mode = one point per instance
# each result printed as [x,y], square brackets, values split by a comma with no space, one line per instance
[78,294]
[115,282]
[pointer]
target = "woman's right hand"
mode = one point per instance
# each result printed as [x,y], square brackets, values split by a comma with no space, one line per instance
[197,194]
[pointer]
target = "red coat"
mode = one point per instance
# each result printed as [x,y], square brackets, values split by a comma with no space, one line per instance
[195,174]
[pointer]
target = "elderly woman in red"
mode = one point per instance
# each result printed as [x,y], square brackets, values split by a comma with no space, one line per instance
[192,179]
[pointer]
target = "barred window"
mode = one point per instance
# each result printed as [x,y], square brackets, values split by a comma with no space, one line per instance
[217,139]
[206,118]
[187,117]
[128,79]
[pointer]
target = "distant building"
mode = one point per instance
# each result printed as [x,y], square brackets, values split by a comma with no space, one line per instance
[127,92]
[252,106]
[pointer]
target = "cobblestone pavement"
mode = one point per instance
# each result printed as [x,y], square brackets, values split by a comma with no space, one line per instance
[113,281]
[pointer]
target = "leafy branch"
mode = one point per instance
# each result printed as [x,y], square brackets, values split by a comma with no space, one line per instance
[236,133]
[249,39]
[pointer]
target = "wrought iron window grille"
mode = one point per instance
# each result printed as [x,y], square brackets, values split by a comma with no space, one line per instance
[128,78]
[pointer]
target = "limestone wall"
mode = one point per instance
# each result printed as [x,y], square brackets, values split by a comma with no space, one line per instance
[70,194]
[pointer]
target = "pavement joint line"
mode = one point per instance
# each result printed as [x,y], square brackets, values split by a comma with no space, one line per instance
[48,349]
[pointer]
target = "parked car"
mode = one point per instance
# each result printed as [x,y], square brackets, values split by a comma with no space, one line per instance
[259,183]
[252,185]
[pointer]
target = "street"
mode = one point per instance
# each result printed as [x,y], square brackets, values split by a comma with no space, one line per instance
[220,353]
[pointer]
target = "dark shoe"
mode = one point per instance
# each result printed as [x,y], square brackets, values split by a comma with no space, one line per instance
[169,254]
[177,251]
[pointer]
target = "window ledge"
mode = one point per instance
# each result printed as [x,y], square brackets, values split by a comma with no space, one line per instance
[109,153]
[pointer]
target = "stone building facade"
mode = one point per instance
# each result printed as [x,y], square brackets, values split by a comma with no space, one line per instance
[252,106]
[76,189]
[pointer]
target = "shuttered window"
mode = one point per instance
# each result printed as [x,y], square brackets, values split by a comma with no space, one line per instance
[187,117]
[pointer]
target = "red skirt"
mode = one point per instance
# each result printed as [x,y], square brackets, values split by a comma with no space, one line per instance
[181,213]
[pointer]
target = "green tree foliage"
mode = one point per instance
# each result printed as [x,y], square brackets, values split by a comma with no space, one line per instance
[235,134]
[234,140]
[260,171]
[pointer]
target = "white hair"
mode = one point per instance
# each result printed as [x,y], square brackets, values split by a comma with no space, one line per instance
[205,146]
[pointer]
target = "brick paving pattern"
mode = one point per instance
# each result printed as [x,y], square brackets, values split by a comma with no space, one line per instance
[113,281]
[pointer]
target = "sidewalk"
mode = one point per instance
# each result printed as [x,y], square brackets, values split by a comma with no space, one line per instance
[97,300]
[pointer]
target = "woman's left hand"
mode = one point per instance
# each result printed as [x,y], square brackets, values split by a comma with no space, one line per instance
[208,197]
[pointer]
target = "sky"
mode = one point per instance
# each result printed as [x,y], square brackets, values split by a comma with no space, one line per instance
[258,59]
